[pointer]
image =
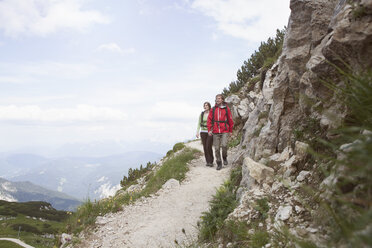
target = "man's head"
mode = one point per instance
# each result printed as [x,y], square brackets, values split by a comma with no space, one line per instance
[220,99]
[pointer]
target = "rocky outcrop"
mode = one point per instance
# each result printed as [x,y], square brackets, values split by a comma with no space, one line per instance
[321,35]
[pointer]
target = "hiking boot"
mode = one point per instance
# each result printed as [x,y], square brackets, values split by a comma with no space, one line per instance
[225,162]
[210,165]
[219,165]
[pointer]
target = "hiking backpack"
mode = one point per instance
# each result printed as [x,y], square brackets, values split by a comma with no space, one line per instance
[226,121]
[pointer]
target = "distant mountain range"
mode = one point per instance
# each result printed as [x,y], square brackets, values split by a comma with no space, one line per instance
[26,191]
[92,149]
[80,177]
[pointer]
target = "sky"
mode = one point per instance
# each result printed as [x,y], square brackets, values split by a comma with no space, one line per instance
[120,71]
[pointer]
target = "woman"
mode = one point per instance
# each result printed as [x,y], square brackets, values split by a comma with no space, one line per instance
[207,140]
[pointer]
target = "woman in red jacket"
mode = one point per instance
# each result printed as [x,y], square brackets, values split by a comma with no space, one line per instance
[220,124]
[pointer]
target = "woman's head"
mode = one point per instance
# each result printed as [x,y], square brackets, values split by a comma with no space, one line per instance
[207,106]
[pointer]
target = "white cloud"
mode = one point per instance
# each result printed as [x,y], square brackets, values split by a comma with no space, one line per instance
[214,36]
[21,73]
[115,48]
[34,99]
[42,17]
[175,111]
[86,113]
[92,165]
[248,19]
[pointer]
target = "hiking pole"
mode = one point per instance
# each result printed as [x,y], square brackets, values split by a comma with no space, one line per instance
[19,231]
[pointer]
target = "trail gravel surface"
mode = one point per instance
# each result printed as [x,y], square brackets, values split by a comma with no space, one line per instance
[168,217]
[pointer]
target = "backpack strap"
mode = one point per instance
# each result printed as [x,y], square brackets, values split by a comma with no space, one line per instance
[213,109]
[201,119]
[225,121]
[227,118]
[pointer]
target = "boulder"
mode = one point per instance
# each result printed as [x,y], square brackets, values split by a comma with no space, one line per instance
[259,172]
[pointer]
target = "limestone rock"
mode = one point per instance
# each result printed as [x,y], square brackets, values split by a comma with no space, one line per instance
[232,99]
[244,109]
[278,158]
[289,167]
[286,154]
[302,176]
[301,149]
[246,183]
[259,172]
[134,188]
[283,213]
[171,183]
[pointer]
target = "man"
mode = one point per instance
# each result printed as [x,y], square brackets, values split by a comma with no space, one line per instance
[220,125]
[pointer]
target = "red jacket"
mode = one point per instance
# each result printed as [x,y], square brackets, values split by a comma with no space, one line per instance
[222,122]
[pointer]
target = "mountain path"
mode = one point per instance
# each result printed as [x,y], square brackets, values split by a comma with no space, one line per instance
[17,241]
[159,221]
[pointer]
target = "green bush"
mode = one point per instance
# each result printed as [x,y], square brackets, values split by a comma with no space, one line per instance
[259,239]
[236,232]
[235,142]
[262,206]
[177,147]
[221,205]
[268,52]
[174,167]
[134,174]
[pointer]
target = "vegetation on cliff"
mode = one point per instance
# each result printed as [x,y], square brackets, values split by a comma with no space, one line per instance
[259,62]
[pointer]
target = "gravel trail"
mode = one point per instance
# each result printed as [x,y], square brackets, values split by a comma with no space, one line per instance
[159,221]
[17,241]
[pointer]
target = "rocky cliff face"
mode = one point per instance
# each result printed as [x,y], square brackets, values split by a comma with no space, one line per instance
[321,34]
